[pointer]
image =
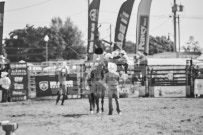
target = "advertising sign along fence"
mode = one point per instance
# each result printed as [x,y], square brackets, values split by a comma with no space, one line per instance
[49,86]
[19,81]
[198,87]
[170,91]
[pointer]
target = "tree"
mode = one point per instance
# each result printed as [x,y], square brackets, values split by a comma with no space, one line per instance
[156,45]
[192,45]
[26,44]
[65,41]
[68,37]
[159,44]
[129,47]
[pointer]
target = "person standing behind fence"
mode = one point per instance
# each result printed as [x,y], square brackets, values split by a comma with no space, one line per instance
[5,83]
[112,80]
[62,83]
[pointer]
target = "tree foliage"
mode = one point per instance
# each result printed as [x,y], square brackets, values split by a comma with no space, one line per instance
[129,47]
[192,45]
[159,44]
[156,45]
[26,44]
[65,41]
[68,37]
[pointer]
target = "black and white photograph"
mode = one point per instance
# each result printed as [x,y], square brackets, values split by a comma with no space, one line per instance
[101,67]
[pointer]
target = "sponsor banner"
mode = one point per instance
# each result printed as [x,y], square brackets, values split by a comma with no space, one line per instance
[19,81]
[49,86]
[198,86]
[142,30]
[46,85]
[170,91]
[1,24]
[122,24]
[125,85]
[93,15]
[138,89]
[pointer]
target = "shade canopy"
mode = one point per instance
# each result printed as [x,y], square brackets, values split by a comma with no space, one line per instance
[164,61]
[200,58]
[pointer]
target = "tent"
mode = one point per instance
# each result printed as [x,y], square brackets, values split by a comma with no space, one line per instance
[164,61]
[198,62]
[200,58]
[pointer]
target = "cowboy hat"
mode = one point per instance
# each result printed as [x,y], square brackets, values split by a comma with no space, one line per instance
[4,74]
[112,67]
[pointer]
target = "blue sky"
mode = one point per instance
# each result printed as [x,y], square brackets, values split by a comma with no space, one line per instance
[18,13]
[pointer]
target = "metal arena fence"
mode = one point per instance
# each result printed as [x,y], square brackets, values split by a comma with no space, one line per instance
[30,80]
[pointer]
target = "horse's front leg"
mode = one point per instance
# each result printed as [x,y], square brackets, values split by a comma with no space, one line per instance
[58,98]
[97,103]
[102,103]
[91,102]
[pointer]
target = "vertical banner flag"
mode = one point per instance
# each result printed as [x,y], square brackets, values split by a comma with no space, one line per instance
[1,24]
[93,15]
[122,24]
[142,33]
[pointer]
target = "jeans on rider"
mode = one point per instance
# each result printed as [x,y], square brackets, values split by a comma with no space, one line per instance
[113,93]
[63,92]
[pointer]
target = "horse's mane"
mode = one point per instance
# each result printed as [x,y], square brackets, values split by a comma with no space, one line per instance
[94,71]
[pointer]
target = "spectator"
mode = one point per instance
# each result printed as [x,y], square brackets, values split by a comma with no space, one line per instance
[5,83]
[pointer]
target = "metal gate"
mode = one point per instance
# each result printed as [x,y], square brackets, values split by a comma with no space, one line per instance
[166,80]
[39,73]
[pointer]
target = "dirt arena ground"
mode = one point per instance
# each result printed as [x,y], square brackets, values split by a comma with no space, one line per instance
[141,116]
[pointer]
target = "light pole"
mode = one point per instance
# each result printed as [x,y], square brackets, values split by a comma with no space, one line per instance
[179,31]
[46,39]
[177,54]
[176,8]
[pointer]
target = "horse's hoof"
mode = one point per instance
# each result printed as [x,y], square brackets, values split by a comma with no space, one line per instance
[99,112]
[91,112]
